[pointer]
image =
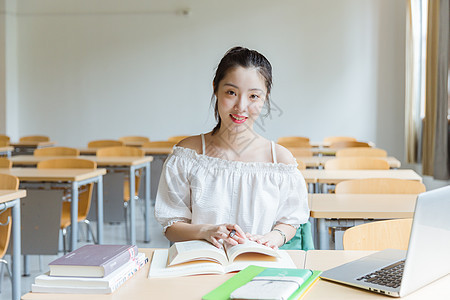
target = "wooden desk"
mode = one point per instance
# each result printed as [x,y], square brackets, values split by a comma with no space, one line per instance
[68,178]
[114,163]
[140,287]
[29,147]
[324,290]
[148,151]
[319,161]
[349,208]
[6,151]
[11,199]
[324,177]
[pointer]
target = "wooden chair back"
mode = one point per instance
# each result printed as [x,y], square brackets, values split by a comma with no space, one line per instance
[159,144]
[332,139]
[348,144]
[380,186]
[5,163]
[177,138]
[140,139]
[301,165]
[120,151]
[7,182]
[356,163]
[84,193]
[56,151]
[298,151]
[35,138]
[295,144]
[4,143]
[378,235]
[361,151]
[300,139]
[4,137]
[104,143]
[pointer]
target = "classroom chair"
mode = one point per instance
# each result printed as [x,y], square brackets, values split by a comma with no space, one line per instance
[4,143]
[130,138]
[34,138]
[300,139]
[177,138]
[4,138]
[104,143]
[125,151]
[378,235]
[356,163]
[299,151]
[7,182]
[332,139]
[84,194]
[348,144]
[301,165]
[380,186]
[56,151]
[361,151]
[5,163]
[159,144]
[295,144]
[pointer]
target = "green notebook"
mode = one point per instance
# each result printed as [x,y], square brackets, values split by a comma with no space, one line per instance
[224,291]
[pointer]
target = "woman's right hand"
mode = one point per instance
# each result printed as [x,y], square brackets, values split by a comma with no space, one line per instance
[214,233]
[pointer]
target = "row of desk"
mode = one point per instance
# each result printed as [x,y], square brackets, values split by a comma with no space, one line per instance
[194,287]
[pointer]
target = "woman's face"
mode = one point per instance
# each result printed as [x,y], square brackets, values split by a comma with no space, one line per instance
[240,98]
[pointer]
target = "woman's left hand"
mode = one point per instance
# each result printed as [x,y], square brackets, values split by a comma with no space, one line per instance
[269,239]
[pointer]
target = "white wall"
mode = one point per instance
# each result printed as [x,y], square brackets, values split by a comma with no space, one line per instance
[104,69]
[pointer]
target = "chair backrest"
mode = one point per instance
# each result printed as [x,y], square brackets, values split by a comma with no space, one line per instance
[130,138]
[295,144]
[356,163]
[34,138]
[120,151]
[361,151]
[56,151]
[380,186]
[301,165]
[379,235]
[300,139]
[348,144]
[299,151]
[4,138]
[332,139]
[67,163]
[104,143]
[5,163]
[159,144]
[4,143]
[7,182]
[177,138]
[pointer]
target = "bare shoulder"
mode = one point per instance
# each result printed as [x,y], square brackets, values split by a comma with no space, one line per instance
[284,155]
[193,142]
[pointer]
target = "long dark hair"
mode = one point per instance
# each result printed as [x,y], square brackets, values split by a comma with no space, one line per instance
[246,58]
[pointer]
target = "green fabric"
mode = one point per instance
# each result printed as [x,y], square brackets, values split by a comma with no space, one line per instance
[302,239]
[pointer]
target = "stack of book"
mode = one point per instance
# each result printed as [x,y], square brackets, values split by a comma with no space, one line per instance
[91,269]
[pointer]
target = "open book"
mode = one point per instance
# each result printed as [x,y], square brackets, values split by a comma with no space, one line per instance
[201,257]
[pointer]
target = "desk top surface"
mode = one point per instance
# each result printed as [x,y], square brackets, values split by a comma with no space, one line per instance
[53,175]
[324,290]
[194,287]
[317,161]
[335,176]
[6,148]
[357,206]
[8,195]
[30,160]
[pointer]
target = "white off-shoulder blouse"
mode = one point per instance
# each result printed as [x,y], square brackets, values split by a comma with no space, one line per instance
[200,189]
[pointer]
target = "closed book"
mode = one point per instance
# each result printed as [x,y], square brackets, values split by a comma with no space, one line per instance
[93,260]
[82,285]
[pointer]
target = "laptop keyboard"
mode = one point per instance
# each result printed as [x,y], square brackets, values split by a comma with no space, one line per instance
[390,276]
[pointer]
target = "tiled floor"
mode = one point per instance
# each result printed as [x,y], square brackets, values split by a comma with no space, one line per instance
[113,234]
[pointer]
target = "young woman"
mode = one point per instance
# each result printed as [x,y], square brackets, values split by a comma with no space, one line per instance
[231,184]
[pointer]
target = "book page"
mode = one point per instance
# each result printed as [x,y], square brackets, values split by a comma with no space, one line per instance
[159,269]
[249,246]
[283,261]
[181,252]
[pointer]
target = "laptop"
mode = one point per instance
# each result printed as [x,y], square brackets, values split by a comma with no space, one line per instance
[426,260]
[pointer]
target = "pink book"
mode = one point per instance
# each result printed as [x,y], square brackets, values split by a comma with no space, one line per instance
[93,260]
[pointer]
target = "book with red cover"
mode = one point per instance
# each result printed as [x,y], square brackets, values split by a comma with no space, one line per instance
[93,260]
